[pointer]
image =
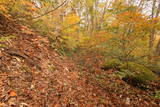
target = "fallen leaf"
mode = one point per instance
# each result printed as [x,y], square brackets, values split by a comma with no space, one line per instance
[2,104]
[12,93]
[24,105]
[12,102]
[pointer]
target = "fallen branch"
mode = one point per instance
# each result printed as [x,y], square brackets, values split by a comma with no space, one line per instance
[17,53]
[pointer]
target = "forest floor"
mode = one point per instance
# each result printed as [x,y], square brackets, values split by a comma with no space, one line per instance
[32,74]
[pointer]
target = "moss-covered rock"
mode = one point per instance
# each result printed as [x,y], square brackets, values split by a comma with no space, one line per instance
[133,73]
[111,64]
[138,72]
[155,67]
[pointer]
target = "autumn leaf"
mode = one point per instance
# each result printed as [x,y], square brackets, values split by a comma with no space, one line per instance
[2,104]
[12,93]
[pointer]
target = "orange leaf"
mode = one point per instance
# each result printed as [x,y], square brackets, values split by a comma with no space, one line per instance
[12,93]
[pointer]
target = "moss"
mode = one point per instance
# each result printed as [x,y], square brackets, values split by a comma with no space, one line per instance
[138,72]
[155,67]
[111,64]
[133,73]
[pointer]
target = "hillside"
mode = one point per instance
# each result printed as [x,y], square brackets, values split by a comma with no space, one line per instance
[79,53]
[32,74]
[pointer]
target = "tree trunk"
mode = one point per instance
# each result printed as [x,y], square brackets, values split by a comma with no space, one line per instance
[158,48]
[152,34]
[152,38]
[153,31]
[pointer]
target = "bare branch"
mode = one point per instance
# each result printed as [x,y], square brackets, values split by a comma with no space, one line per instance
[52,10]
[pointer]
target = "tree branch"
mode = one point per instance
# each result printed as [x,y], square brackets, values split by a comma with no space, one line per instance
[71,25]
[51,10]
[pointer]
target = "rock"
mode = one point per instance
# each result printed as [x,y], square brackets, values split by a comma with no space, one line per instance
[138,72]
[110,64]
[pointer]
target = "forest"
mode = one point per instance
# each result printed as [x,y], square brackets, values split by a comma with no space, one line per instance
[79,53]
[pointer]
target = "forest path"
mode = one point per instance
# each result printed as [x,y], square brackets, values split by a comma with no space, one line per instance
[32,74]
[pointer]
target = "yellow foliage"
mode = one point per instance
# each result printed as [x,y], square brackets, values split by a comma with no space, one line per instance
[131,17]
[74,41]
[3,4]
[3,9]
[97,39]
[90,2]
[72,19]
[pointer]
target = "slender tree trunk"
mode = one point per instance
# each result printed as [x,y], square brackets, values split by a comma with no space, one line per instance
[158,48]
[152,34]
[153,31]
[158,45]
[152,38]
